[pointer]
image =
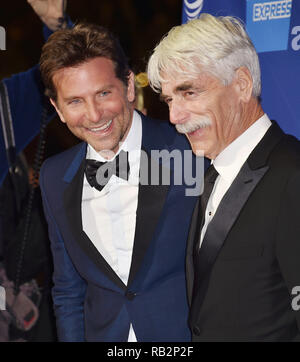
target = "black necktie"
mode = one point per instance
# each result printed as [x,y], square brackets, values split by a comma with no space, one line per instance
[209,179]
[98,173]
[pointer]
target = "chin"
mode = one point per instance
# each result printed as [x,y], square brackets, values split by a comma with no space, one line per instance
[197,149]
[105,147]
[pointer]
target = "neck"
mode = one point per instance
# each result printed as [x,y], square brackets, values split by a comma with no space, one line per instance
[252,112]
[248,115]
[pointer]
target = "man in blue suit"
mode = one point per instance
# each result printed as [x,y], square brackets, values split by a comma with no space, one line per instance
[118,247]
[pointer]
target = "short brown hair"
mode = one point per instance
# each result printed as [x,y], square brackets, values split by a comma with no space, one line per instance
[71,47]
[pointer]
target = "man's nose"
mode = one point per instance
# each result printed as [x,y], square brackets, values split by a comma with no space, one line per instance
[93,111]
[177,112]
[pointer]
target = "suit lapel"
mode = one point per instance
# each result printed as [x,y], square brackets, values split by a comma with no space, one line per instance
[151,198]
[218,229]
[72,204]
[227,213]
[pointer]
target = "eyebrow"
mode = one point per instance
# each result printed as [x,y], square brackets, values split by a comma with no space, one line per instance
[180,88]
[183,87]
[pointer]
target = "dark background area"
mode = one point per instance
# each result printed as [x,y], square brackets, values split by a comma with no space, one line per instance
[140,24]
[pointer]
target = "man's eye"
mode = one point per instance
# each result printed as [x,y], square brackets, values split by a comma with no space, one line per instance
[189,94]
[74,101]
[104,93]
[168,100]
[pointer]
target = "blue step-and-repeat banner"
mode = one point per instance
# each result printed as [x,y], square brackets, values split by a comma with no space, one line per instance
[274,27]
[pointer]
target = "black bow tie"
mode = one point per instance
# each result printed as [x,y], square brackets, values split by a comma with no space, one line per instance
[98,173]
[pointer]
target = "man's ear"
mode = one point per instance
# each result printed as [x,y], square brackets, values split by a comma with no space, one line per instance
[244,83]
[131,88]
[54,104]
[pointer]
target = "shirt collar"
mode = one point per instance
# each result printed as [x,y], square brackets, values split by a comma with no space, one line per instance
[229,162]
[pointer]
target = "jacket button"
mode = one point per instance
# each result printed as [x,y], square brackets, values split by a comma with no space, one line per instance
[196,331]
[130,295]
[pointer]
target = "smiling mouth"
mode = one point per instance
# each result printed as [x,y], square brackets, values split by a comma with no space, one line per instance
[198,130]
[102,128]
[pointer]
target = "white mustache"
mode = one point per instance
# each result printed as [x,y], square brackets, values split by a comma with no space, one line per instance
[193,125]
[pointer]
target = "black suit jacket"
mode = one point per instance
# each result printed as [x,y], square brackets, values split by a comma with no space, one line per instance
[246,288]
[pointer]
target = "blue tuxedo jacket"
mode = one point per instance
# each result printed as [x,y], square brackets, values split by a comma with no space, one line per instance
[91,302]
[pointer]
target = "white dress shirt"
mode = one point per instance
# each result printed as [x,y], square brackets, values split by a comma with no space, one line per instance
[109,215]
[229,162]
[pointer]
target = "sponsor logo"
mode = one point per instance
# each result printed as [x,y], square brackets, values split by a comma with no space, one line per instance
[191,9]
[268,24]
[272,10]
[2,38]
[296,40]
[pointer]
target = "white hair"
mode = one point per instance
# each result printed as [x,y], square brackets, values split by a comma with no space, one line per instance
[217,45]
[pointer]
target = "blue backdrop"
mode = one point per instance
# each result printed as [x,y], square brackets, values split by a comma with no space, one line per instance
[274,27]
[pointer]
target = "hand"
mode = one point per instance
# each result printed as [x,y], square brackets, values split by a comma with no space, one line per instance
[49,11]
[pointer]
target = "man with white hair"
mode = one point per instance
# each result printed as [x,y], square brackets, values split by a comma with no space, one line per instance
[243,251]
